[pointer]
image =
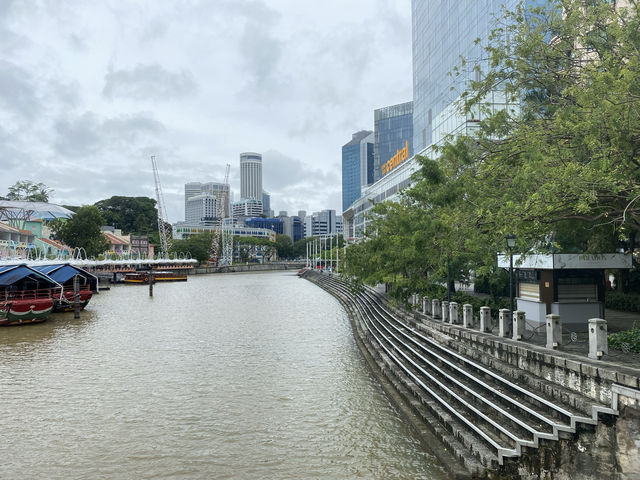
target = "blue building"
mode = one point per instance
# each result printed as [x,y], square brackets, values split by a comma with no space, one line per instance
[393,127]
[357,166]
[274,224]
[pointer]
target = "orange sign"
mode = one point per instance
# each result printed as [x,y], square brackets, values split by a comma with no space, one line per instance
[397,159]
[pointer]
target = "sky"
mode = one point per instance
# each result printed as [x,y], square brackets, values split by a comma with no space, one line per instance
[90,90]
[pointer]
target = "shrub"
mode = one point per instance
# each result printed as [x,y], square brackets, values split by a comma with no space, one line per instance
[628,341]
[628,302]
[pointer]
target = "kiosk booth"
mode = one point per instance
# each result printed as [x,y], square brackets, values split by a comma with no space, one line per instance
[569,285]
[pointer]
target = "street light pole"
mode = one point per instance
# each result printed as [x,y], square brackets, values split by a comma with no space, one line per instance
[511,243]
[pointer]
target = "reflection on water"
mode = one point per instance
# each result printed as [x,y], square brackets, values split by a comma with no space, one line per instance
[224,376]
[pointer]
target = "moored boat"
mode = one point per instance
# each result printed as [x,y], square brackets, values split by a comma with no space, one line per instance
[65,275]
[26,295]
[158,276]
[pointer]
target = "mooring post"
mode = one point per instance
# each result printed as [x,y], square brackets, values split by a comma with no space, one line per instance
[554,331]
[503,322]
[453,313]
[467,315]
[518,324]
[598,346]
[150,283]
[435,304]
[485,319]
[76,297]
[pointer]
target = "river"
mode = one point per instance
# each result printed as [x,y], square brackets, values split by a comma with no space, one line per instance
[238,376]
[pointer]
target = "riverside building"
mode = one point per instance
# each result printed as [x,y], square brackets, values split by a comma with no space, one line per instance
[357,166]
[441,36]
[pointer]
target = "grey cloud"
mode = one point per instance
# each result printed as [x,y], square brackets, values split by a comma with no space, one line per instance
[87,134]
[17,90]
[146,82]
[153,30]
[280,171]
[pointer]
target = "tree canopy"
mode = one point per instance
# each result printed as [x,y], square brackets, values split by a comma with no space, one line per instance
[136,215]
[556,162]
[29,191]
[82,230]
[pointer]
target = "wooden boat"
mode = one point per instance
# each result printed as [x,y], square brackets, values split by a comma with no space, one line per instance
[26,295]
[65,274]
[158,276]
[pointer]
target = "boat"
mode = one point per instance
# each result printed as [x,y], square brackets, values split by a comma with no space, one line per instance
[158,276]
[65,275]
[26,295]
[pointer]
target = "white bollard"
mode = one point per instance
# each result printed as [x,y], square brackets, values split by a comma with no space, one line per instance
[435,304]
[445,311]
[554,331]
[453,313]
[467,315]
[503,322]
[485,319]
[518,324]
[598,346]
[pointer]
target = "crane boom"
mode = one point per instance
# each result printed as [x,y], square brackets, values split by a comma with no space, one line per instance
[162,228]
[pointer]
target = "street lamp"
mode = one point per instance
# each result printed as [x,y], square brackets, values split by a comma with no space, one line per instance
[511,243]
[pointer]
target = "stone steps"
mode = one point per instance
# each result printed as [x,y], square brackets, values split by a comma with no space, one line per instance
[491,409]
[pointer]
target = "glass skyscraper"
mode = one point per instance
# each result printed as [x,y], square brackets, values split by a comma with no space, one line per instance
[357,166]
[393,128]
[444,32]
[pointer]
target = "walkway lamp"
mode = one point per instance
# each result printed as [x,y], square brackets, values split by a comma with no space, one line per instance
[511,243]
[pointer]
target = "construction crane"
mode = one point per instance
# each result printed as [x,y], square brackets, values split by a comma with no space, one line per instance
[219,235]
[165,241]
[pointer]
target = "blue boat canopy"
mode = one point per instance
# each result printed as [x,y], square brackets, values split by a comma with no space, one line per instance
[64,272]
[10,274]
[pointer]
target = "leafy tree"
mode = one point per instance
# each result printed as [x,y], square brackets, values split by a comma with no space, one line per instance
[284,246]
[136,215]
[197,245]
[82,230]
[29,191]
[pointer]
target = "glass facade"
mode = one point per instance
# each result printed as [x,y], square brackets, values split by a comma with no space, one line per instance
[393,127]
[274,224]
[357,166]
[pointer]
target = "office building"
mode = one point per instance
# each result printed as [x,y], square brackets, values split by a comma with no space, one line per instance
[201,209]
[357,166]
[274,224]
[251,176]
[393,132]
[322,223]
[247,207]
[293,227]
[266,203]
[219,191]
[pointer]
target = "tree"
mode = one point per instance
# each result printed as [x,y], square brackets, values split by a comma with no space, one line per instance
[284,245]
[29,191]
[82,230]
[197,245]
[136,215]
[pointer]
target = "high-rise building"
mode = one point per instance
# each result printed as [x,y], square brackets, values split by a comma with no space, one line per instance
[201,209]
[247,207]
[266,202]
[393,127]
[251,176]
[321,223]
[357,166]
[220,191]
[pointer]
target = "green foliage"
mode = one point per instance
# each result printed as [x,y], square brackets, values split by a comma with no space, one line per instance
[136,215]
[284,246]
[82,230]
[197,245]
[628,341]
[558,166]
[29,191]
[628,302]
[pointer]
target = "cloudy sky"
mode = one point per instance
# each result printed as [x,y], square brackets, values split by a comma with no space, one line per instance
[89,90]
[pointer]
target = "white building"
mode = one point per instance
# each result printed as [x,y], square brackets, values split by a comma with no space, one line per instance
[247,207]
[251,176]
[322,223]
[201,209]
[214,189]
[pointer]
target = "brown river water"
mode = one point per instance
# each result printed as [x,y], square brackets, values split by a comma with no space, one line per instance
[236,376]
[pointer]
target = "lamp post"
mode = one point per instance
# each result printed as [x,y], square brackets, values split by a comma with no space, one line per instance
[511,243]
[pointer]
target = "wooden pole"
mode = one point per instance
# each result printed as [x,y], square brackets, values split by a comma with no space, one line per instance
[150,283]
[76,297]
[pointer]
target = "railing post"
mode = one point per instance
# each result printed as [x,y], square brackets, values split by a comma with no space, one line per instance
[518,324]
[503,322]
[598,346]
[453,313]
[435,304]
[467,315]
[445,311]
[485,319]
[426,304]
[554,331]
